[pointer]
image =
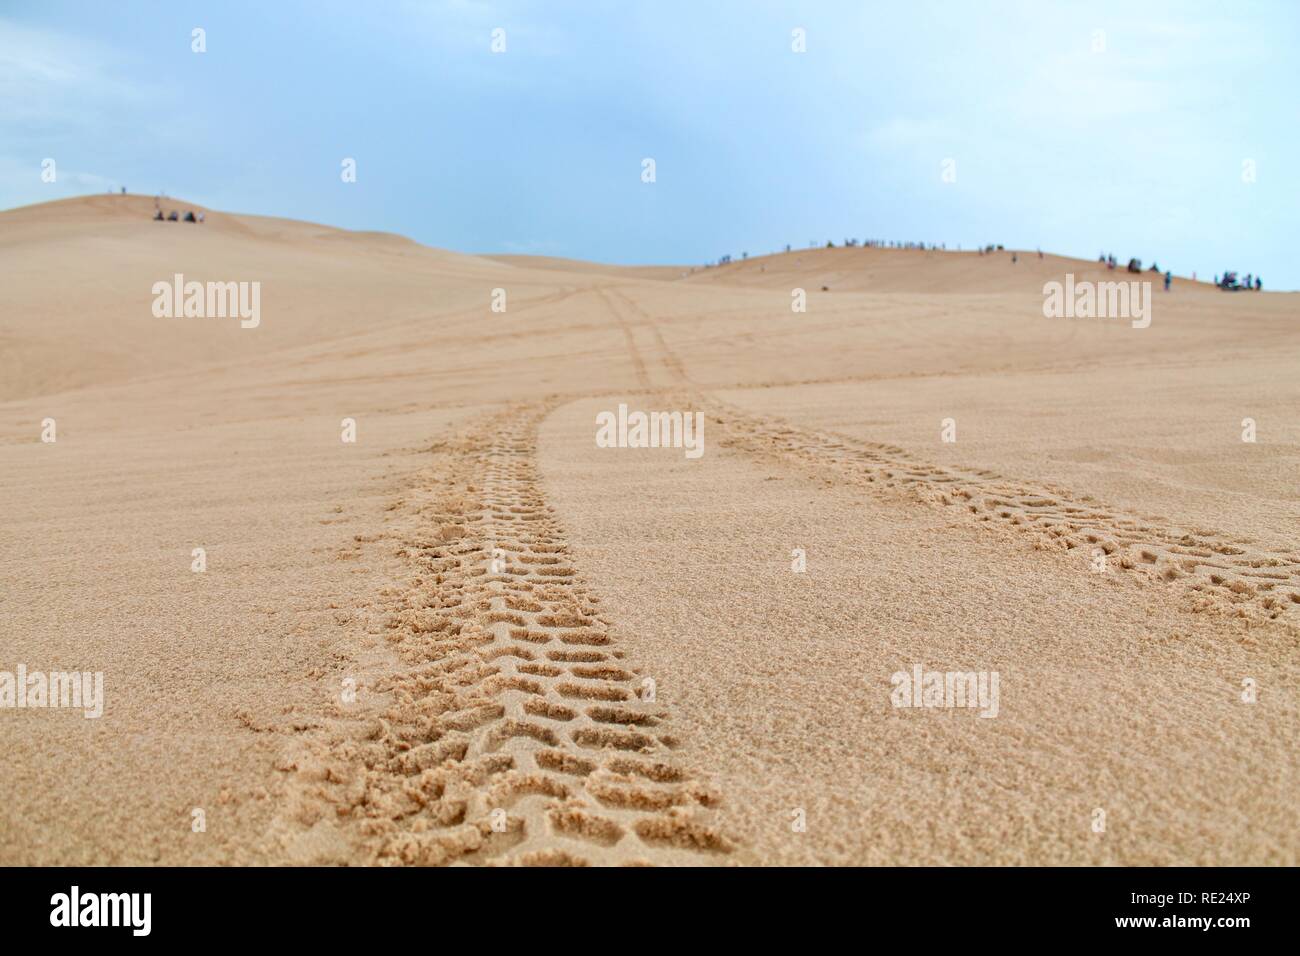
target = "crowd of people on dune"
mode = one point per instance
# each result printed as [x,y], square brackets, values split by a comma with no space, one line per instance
[892,244]
[851,243]
[173,215]
[1229,282]
[1135,266]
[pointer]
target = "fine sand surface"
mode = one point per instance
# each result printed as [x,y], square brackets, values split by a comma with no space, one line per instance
[473,636]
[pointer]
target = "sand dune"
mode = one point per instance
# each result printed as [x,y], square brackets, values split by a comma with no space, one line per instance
[473,636]
[95,325]
[595,269]
[871,269]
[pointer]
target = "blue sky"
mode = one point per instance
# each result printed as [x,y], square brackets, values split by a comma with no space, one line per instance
[1138,147]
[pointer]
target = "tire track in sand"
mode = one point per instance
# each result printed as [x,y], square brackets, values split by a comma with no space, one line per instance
[518,734]
[1218,574]
[616,303]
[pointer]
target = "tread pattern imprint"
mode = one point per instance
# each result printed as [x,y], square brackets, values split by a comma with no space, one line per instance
[517,732]
[1216,575]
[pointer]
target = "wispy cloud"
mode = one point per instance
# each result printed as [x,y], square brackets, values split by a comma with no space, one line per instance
[55,78]
[57,94]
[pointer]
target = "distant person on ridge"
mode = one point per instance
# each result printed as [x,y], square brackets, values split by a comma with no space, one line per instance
[1169,277]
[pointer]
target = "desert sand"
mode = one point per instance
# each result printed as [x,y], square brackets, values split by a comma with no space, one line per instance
[473,636]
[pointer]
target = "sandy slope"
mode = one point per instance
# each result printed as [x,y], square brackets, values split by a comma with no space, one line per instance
[1111,696]
[502,711]
[595,270]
